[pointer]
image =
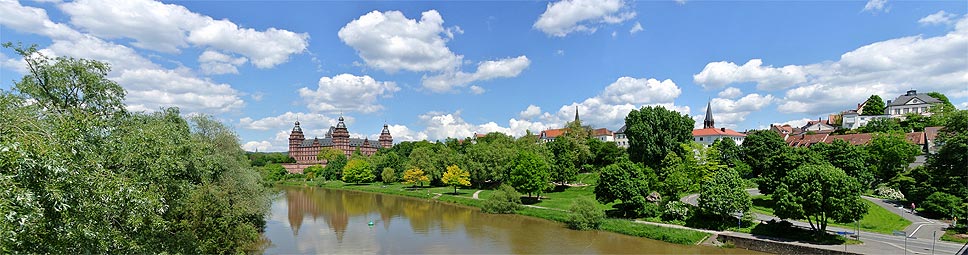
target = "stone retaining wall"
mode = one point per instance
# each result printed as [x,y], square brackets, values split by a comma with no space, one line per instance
[776,247]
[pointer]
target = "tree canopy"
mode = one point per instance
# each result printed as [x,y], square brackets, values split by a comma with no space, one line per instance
[625,181]
[818,193]
[874,106]
[530,173]
[456,177]
[655,131]
[724,194]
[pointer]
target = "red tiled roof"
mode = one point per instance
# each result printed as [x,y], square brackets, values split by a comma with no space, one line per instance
[601,132]
[853,139]
[931,133]
[552,133]
[715,131]
[915,138]
[805,140]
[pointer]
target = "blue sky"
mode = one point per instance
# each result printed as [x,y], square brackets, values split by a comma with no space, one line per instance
[434,69]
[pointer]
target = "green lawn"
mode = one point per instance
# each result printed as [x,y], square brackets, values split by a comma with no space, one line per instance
[877,219]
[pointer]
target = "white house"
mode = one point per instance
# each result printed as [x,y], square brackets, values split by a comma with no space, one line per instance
[620,139]
[910,102]
[853,120]
[709,133]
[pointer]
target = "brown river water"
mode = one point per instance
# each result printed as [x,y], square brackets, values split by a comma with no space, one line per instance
[324,221]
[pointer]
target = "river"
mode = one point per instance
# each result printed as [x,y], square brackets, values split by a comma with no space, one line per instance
[325,221]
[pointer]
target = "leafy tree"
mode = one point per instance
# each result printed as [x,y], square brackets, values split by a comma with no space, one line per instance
[724,194]
[655,131]
[625,181]
[729,152]
[274,172]
[758,146]
[818,193]
[603,153]
[456,177]
[505,200]
[569,155]
[779,165]
[890,155]
[383,159]
[388,175]
[530,173]
[313,171]
[947,167]
[334,167]
[852,159]
[427,159]
[330,154]
[491,158]
[882,125]
[358,171]
[875,106]
[415,176]
[916,185]
[584,215]
[944,204]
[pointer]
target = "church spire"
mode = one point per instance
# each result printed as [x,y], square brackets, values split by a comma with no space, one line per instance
[576,115]
[709,122]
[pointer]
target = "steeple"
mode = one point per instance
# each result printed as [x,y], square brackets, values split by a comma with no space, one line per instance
[576,115]
[709,122]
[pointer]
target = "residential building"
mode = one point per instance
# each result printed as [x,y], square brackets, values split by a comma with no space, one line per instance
[819,126]
[620,139]
[603,134]
[709,133]
[910,102]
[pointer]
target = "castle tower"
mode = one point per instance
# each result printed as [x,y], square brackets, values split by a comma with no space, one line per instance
[341,137]
[709,122]
[386,141]
[295,139]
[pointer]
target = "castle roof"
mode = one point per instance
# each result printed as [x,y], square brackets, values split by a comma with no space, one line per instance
[328,142]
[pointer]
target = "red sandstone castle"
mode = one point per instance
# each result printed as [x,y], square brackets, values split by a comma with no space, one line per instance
[305,151]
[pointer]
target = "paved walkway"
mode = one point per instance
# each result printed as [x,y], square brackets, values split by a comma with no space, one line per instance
[921,228]
[475,194]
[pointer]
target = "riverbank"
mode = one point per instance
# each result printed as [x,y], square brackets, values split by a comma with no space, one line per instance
[445,194]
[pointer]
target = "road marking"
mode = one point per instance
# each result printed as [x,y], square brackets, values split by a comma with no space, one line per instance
[922,225]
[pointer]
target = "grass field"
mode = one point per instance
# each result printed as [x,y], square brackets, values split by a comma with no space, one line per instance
[877,219]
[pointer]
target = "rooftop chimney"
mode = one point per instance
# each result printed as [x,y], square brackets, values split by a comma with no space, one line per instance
[911,92]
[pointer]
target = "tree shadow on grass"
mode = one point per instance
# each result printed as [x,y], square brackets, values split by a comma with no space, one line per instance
[786,231]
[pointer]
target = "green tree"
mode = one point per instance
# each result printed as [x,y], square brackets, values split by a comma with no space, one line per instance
[334,167]
[313,171]
[603,153]
[882,125]
[415,176]
[569,155]
[758,146]
[778,166]
[504,200]
[655,131]
[850,158]
[723,195]
[947,167]
[627,182]
[875,106]
[330,154]
[491,158]
[388,175]
[819,193]
[944,205]
[428,159]
[530,174]
[358,171]
[890,155]
[456,177]
[585,215]
[729,152]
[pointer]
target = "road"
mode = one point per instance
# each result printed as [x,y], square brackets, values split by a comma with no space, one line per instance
[919,240]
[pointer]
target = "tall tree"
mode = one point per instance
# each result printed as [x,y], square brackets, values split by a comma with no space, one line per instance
[530,173]
[760,145]
[818,193]
[724,194]
[949,166]
[874,106]
[603,153]
[456,177]
[882,125]
[357,171]
[655,131]
[329,154]
[569,156]
[778,166]
[728,151]
[890,154]
[850,158]
[427,159]
[627,182]
[415,176]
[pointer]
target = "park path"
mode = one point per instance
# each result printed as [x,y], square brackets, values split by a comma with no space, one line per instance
[475,194]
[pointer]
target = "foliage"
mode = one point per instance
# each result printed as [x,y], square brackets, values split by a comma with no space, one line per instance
[948,167]
[625,181]
[890,155]
[655,131]
[779,165]
[603,153]
[944,204]
[334,168]
[889,193]
[852,159]
[585,215]
[415,176]
[675,210]
[456,177]
[273,172]
[330,154]
[428,159]
[882,125]
[82,175]
[388,175]
[818,192]
[490,159]
[530,173]
[875,106]
[758,146]
[569,154]
[263,158]
[313,171]
[914,184]
[728,151]
[505,200]
[724,195]
[357,171]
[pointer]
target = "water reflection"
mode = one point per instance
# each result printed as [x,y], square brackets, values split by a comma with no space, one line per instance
[316,220]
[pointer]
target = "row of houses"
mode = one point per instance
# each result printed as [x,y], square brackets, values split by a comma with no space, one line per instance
[925,140]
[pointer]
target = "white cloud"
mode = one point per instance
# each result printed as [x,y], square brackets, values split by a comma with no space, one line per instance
[347,92]
[486,70]
[213,62]
[390,41]
[719,74]
[477,90]
[150,89]
[681,2]
[402,133]
[640,91]
[33,20]
[609,108]
[531,112]
[440,126]
[169,27]
[560,52]
[260,146]
[963,106]
[876,5]
[286,121]
[637,28]
[939,18]
[730,93]
[567,16]
[729,113]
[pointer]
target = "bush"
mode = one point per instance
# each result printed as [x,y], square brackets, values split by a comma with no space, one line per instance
[584,215]
[388,175]
[944,204]
[889,193]
[504,200]
[313,171]
[675,210]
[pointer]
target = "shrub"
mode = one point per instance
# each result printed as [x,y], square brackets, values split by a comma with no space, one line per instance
[944,204]
[388,175]
[675,210]
[889,193]
[584,215]
[504,200]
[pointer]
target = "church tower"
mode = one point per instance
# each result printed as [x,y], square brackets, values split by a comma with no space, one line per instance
[386,141]
[709,122]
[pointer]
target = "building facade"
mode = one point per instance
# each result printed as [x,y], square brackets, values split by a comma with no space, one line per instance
[620,139]
[304,150]
[709,133]
[910,102]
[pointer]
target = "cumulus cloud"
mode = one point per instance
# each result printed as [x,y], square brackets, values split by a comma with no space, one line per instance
[568,16]
[887,67]
[347,92]
[286,121]
[151,89]
[390,41]
[636,28]
[169,27]
[531,112]
[609,108]
[729,112]
[719,74]
[441,125]
[876,6]
[730,93]
[477,90]
[487,70]
[402,133]
[260,146]
[213,62]
[939,18]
